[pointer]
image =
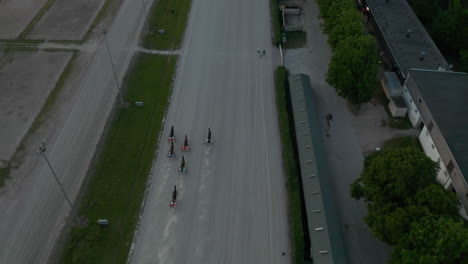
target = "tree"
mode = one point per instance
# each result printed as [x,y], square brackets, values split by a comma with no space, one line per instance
[347,24]
[438,201]
[426,10]
[433,240]
[389,223]
[464,60]
[353,68]
[393,176]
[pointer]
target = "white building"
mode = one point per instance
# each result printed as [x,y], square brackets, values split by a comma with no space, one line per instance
[438,104]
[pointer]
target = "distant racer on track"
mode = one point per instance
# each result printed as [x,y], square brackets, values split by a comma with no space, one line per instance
[171,135]
[174,197]
[185,146]
[171,153]
[208,138]
[182,168]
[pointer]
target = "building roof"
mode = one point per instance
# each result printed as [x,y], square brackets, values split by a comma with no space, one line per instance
[395,18]
[326,239]
[393,84]
[446,96]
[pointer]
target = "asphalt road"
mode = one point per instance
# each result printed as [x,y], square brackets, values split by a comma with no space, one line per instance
[232,200]
[32,214]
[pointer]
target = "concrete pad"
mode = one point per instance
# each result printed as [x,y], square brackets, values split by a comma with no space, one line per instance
[66,20]
[26,79]
[15,16]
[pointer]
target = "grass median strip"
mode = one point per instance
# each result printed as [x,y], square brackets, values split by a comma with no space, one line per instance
[292,173]
[118,178]
[170,16]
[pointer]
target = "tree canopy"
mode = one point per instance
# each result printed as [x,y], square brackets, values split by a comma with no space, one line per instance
[353,68]
[346,24]
[394,175]
[409,210]
[433,240]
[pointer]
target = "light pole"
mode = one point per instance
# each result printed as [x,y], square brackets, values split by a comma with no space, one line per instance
[42,150]
[104,32]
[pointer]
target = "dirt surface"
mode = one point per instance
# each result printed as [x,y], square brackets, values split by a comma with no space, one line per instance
[66,20]
[232,200]
[32,208]
[369,123]
[26,78]
[15,15]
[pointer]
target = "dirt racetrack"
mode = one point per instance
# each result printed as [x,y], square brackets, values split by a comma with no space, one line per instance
[66,20]
[15,16]
[26,79]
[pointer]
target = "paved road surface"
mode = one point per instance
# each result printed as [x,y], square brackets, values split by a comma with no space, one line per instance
[31,214]
[232,201]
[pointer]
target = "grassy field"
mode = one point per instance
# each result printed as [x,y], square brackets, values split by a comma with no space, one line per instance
[403,142]
[170,15]
[295,40]
[292,174]
[120,170]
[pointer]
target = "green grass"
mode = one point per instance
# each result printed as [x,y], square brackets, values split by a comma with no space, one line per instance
[170,15]
[295,39]
[120,171]
[403,142]
[275,20]
[402,123]
[292,174]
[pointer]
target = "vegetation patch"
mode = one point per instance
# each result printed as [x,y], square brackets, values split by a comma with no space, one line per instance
[295,39]
[403,142]
[167,20]
[409,210]
[275,19]
[353,66]
[291,170]
[4,173]
[119,174]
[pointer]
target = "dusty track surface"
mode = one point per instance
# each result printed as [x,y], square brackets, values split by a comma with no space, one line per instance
[32,208]
[232,201]
[15,16]
[26,80]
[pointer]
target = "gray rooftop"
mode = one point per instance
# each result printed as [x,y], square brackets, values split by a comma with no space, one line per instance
[446,96]
[324,228]
[395,18]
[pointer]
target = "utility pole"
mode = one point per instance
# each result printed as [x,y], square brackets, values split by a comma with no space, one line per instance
[42,150]
[104,32]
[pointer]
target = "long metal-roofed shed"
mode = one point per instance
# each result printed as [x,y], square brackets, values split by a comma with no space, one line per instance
[324,228]
[405,37]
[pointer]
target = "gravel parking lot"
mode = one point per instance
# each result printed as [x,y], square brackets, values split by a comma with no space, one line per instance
[66,20]
[26,79]
[15,16]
